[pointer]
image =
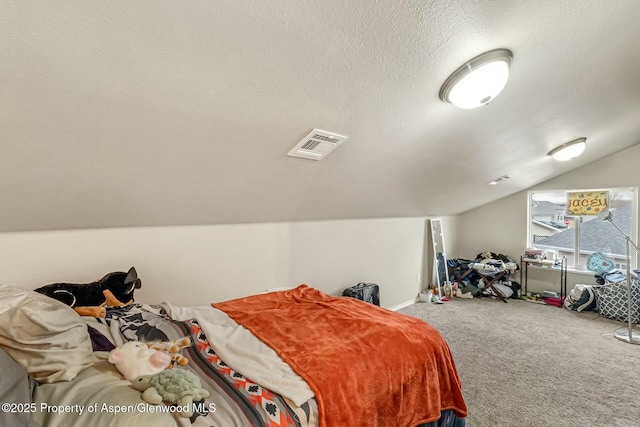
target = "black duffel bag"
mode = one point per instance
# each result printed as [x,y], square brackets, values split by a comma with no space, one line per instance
[367,292]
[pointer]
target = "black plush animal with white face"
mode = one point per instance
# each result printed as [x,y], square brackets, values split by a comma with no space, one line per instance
[89,299]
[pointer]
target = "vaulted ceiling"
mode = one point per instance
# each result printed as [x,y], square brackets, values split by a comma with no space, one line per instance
[119,113]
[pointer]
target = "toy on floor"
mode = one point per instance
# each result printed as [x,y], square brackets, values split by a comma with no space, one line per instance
[177,386]
[89,299]
[135,359]
[172,348]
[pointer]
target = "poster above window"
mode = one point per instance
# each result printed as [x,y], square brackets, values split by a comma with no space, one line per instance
[587,202]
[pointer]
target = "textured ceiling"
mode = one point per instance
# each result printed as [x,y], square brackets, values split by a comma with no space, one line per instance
[120,113]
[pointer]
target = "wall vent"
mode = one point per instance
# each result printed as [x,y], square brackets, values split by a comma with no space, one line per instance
[316,145]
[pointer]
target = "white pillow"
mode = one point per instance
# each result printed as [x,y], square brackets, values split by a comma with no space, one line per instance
[46,337]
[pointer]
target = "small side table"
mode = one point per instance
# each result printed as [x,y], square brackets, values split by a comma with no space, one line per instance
[559,265]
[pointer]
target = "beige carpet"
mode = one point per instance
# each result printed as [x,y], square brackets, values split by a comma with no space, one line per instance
[530,365]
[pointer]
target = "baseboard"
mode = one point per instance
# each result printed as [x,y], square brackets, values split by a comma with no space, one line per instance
[404,304]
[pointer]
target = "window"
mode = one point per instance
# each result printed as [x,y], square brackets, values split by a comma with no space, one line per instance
[577,237]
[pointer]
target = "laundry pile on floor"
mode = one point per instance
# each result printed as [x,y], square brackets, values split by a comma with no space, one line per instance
[485,276]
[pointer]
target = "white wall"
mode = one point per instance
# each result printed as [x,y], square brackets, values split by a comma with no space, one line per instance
[200,264]
[501,226]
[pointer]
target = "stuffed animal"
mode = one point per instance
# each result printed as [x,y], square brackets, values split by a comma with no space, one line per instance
[172,348]
[177,386]
[88,299]
[135,359]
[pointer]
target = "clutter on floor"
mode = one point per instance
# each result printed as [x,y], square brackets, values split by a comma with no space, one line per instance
[485,276]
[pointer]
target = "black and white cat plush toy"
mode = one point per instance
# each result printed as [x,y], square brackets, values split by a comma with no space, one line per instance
[89,299]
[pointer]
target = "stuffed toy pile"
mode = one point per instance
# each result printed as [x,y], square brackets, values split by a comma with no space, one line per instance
[147,365]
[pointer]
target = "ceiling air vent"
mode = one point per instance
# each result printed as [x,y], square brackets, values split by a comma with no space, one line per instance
[316,145]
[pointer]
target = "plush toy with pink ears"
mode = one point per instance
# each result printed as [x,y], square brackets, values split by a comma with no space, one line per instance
[135,359]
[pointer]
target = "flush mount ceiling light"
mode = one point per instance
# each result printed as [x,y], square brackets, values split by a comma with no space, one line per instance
[569,150]
[478,81]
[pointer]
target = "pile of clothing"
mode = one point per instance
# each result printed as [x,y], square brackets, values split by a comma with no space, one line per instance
[469,275]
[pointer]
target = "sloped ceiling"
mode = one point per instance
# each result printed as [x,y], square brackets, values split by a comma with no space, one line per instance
[119,113]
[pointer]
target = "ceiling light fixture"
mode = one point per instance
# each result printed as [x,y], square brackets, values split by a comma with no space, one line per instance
[569,150]
[497,180]
[478,81]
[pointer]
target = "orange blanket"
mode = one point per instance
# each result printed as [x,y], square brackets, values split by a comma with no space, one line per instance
[367,366]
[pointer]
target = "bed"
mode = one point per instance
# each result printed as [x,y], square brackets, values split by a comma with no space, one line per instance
[297,358]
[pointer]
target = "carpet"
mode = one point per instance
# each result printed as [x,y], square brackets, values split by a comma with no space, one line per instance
[530,365]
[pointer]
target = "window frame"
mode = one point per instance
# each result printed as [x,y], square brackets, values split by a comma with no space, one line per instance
[573,261]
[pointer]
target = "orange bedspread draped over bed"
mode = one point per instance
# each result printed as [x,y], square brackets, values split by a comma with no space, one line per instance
[367,366]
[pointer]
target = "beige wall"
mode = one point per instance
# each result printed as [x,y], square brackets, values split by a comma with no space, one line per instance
[201,264]
[502,226]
